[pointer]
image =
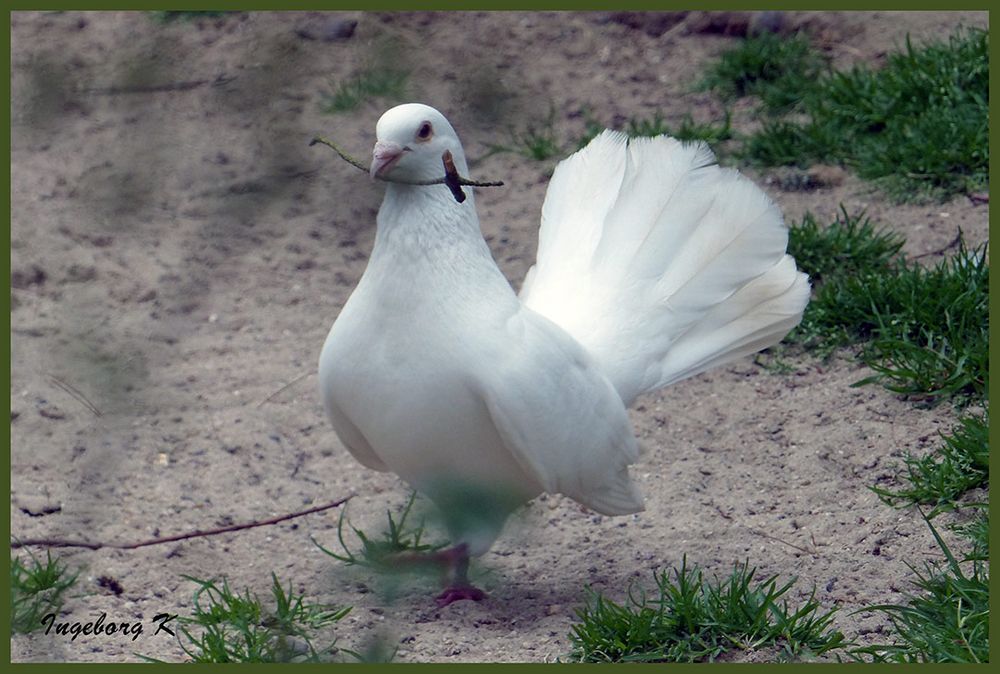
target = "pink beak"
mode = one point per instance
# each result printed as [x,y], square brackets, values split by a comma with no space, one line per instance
[384,156]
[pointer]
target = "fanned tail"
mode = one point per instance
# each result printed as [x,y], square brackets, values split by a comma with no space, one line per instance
[661,263]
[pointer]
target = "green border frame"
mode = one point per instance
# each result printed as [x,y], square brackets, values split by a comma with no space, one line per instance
[520,5]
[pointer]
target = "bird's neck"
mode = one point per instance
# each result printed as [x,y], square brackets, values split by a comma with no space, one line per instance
[425,220]
[427,240]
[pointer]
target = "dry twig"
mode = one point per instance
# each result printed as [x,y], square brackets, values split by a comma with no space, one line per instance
[941,251]
[158,88]
[291,383]
[451,177]
[62,543]
[75,392]
[784,542]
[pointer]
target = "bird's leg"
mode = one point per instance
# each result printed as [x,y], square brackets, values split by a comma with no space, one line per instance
[456,576]
[454,565]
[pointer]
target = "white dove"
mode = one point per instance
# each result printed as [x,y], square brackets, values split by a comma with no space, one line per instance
[654,264]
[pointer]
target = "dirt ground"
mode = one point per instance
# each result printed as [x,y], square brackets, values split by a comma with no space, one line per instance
[179,252]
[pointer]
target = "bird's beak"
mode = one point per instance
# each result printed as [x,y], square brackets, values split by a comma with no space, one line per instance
[384,156]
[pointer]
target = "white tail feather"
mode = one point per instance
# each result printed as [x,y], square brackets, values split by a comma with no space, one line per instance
[661,263]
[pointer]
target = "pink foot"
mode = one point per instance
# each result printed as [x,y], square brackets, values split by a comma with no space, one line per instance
[459,592]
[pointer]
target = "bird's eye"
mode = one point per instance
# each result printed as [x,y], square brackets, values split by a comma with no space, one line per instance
[425,131]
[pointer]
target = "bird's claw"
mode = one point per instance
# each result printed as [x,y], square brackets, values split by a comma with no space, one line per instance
[458,593]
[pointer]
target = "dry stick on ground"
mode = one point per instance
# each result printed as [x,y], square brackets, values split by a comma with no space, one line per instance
[451,177]
[73,391]
[773,538]
[157,88]
[941,251]
[784,542]
[61,543]
[291,383]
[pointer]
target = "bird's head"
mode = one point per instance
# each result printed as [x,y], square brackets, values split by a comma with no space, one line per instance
[410,140]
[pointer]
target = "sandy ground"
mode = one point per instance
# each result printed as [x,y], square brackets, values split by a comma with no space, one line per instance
[179,253]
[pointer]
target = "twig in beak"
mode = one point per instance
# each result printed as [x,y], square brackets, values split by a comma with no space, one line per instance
[451,177]
[343,155]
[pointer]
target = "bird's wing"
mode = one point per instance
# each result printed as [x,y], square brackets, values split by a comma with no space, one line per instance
[560,417]
[352,437]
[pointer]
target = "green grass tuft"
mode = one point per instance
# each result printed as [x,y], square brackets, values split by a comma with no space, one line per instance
[708,132]
[776,68]
[962,463]
[929,328]
[921,123]
[784,143]
[917,127]
[687,130]
[537,141]
[977,532]
[376,82]
[231,627]
[924,331]
[399,537]
[849,246]
[693,620]
[947,620]
[36,589]
[638,127]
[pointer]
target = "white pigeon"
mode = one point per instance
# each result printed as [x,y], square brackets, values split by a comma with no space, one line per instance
[654,264]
